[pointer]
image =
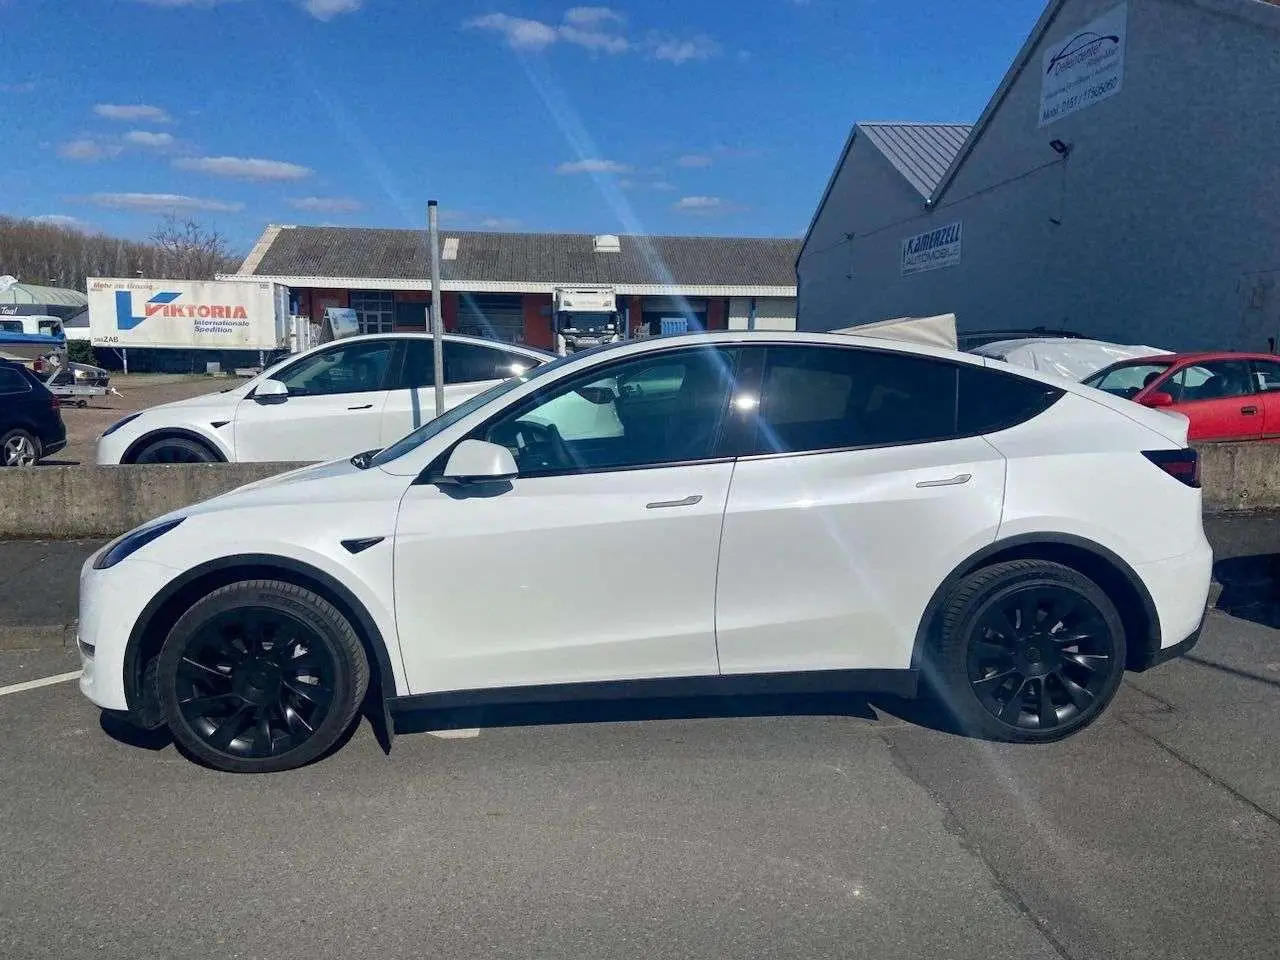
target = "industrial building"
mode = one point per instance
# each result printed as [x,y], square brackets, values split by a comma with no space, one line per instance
[501,285]
[1121,183]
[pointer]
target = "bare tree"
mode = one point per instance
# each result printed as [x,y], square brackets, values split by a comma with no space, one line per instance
[187,250]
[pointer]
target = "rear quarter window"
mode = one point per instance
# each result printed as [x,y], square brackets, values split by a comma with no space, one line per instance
[991,400]
[12,381]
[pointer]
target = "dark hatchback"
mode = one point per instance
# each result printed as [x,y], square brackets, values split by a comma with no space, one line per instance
[31,424]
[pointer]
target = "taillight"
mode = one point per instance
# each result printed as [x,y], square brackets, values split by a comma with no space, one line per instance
[1182,465]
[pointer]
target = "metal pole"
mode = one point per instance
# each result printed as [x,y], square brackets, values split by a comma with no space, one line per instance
[437,315]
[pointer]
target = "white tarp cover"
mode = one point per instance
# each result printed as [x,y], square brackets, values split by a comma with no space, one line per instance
[939,331]
[1067,357]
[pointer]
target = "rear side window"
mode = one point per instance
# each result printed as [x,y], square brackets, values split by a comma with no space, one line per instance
[463,363]
[828,398]
[12,381]
[991,400]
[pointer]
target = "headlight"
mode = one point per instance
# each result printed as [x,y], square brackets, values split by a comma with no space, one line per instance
[120,423]
[132,542]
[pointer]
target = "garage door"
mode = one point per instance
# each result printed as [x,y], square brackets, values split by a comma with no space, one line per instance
[495,316]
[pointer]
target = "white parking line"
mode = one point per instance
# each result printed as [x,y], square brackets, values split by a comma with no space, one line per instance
[42,682]
[463,734]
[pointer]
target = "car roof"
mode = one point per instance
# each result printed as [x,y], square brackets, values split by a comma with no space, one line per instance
[453,337]
[1199,357]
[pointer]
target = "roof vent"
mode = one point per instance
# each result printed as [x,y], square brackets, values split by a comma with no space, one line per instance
[450,250]
[608,243]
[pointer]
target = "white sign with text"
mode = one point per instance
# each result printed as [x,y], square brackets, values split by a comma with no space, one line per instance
[1084,67]
[931,250]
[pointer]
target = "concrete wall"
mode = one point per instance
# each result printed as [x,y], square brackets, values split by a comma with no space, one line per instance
[68,503]
[1167,217]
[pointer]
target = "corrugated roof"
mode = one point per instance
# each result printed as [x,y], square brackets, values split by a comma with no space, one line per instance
[569,258]
[52,296]
[921,152]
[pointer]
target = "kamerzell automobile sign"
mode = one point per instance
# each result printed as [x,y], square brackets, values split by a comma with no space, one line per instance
[936,248]
[1083,67]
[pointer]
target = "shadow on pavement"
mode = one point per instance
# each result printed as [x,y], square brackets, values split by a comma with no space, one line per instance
[1250,587]
[125,732]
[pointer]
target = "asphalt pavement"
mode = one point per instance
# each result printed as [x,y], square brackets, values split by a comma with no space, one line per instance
[791,828]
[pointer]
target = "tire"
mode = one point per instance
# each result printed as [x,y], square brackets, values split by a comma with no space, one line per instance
[261,676]
[19,448]
[1012,632]
[175,450]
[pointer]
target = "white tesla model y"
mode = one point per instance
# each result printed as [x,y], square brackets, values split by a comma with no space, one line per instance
[688,515]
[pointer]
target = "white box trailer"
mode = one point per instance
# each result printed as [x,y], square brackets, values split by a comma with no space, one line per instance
[188,314]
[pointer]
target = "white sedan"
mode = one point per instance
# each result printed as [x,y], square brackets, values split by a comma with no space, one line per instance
[689,515]
[332,401]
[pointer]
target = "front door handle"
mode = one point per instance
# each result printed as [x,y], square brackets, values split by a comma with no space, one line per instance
[367,406]
[955,481]
[686,502]
[1249,411]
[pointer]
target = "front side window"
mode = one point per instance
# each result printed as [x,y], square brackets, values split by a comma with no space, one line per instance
[1127,380]
[656,409]
[356,367]
[1267,375]
[828,398]
[1212,380]
[463,363]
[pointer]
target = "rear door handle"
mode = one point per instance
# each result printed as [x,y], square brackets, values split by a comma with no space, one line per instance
[1249,411]
[367,406]
[955,481]
[686,502]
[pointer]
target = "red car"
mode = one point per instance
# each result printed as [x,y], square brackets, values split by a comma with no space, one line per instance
[1227,396]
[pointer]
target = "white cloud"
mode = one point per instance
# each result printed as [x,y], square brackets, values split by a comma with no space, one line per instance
[597,29]
[244,168]
[660,185]
[520,34]
[328,9]
[675,50]
[131,111]
[592,16]
[61,220]
[320,9]
[326,204]
[499,223]
[596,40]
[704,206]
[694,160]
[86,148]
[593,166]
[145,138]
[159,201]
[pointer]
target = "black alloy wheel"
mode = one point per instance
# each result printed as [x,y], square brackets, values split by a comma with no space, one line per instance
[261,676]
[175,450]
[1027,651]
[1040,656]
[255,683]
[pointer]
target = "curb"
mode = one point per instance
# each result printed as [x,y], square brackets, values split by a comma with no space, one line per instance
[43,637]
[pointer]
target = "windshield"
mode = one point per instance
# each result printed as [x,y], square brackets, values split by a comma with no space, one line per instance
[463,410]
[1128,379]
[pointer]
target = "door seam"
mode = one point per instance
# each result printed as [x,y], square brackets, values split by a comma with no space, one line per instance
[715,593]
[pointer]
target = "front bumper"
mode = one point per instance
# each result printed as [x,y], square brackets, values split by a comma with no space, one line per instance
[111,603]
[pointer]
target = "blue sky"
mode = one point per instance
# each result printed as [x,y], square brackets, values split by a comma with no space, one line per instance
[661,116]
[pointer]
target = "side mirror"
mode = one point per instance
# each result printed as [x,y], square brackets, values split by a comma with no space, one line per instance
[270,391]
[478,461]
[1158,399]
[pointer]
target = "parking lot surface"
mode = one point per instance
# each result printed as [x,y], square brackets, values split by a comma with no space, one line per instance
[838,828]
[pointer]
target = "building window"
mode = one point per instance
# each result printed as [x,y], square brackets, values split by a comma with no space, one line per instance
[375,310]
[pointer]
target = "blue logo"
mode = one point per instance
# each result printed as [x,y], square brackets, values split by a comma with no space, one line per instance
[125,320]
